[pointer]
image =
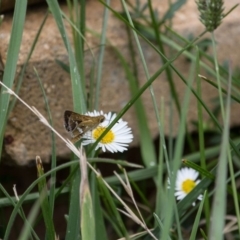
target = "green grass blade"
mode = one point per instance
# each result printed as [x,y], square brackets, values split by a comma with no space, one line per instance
[158,36]
[110,205]
[25,195]
[4,202]
[202,145]
[11,61]
[176,160]
[146,143]
[54,154]
[45,207]
[203,171]
[237,99]
[27,227]
[79,100]
[197,220]
[98,212]
[192,196]
[101,54]
[11,201]
[79,13]
[73,226]
[21,75]
[219,201]
[161,189]
[88,231]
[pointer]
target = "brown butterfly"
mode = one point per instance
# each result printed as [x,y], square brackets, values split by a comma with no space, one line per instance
[77,125]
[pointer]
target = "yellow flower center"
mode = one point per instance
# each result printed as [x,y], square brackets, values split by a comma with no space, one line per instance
[188,185]
[108,138]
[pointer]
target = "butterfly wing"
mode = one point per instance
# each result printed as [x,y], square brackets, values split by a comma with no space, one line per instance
[77,125]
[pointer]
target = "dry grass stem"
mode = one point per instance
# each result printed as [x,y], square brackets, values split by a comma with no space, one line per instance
[129,212]
[15,192]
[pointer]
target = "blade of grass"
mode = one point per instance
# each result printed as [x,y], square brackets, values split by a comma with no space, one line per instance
[114,225]
[79,100]
[222,89]
[12,202]
[111,207]
[88,231]
[25,232]
[25,194]
[197,220]
[54,156]
[73,226]
[219,201]
[150,159]
[161,189]
[98,211]
[202,147]
[158,35]
[203,171]
[21,75]
[192,196]
[177,157]
[232,190]
[79,13]
[45,206]
[101,54]
[217,74]
[146,143]
[9,200]
[11,62]
[193,69]
[158,229]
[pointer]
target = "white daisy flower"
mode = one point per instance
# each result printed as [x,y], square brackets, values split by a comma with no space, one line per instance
[116,140]
[185,182]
